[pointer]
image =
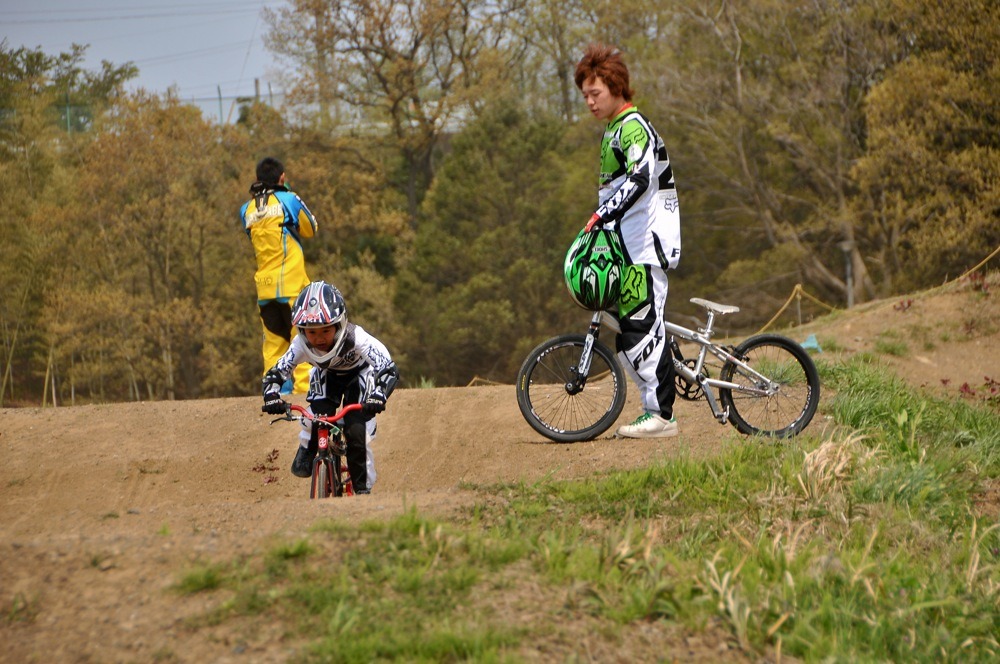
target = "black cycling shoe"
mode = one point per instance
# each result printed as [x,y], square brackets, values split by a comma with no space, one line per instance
[302,464]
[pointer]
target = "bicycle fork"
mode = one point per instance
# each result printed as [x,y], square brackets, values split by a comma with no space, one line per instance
[582,369]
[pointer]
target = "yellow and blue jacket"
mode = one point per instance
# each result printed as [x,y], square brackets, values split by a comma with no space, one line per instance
[276,220]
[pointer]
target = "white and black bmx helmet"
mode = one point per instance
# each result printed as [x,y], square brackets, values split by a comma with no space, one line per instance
[321,305]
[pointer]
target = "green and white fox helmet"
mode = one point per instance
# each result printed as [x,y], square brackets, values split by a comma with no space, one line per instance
[593,269]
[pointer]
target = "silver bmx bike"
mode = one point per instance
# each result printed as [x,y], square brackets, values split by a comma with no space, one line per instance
[572,387]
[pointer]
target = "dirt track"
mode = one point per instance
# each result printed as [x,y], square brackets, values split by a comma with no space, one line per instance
[104,506]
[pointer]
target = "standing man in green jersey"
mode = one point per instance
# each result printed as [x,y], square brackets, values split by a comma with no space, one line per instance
[637,198]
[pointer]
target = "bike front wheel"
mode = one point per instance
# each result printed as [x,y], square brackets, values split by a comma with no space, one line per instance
[323,485]
[779,387]
[551,398]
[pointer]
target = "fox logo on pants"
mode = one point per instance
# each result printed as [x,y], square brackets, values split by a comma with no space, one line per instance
[633,291]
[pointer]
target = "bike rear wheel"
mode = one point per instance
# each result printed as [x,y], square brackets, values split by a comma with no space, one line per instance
[341,477]
[556,410]
[345,487]
[786,410]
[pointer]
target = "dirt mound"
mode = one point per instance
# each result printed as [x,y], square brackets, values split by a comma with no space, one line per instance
[104,505]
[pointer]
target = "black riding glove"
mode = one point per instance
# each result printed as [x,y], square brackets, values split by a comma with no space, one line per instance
[274,405]
[374,404]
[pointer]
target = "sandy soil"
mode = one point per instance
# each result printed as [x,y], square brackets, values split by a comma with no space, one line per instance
[103,506]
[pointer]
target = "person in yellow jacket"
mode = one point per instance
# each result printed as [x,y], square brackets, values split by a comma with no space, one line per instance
[276,220]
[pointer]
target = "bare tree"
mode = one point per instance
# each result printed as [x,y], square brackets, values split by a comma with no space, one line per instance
[772,101]
[406,70]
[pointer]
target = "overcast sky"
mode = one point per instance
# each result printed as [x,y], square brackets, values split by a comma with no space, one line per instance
[198,47]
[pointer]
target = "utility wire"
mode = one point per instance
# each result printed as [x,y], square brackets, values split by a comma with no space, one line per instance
[127,7]
[159,14]
[221,48]
[246,58]
[129,17]
[122,13]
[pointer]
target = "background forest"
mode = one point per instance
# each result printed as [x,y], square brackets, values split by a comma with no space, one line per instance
[847,145]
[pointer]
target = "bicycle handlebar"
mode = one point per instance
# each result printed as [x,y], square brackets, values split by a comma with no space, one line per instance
[304,414]
[326,418]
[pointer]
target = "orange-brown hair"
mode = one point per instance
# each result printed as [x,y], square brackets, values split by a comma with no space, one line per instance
[606,62]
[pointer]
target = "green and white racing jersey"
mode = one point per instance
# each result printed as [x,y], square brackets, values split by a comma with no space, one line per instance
[637,192]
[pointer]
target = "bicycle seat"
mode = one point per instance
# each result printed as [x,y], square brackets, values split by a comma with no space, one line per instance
[715,307]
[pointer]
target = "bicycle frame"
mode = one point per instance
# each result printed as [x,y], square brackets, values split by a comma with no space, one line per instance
[571,387]
[702,337]
[767,384]
[335,455]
